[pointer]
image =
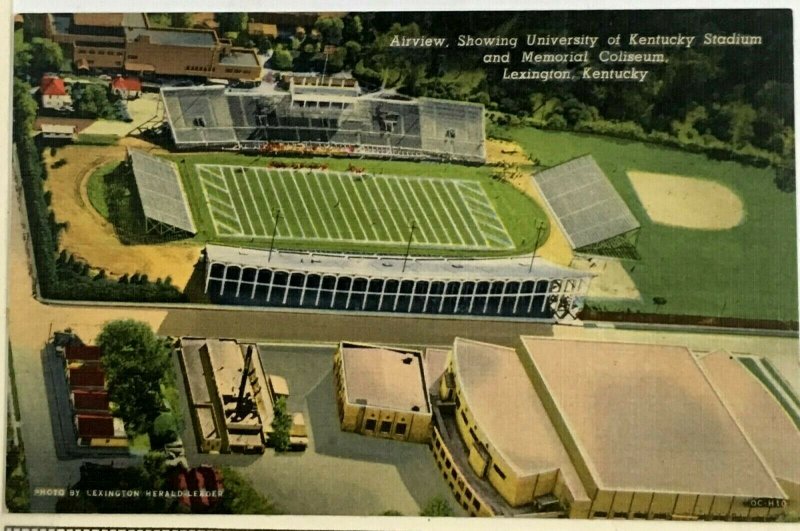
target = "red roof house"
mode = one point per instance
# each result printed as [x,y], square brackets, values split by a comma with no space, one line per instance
[94,426]
[126,87]
[54,93]
[85,400]
[84,376]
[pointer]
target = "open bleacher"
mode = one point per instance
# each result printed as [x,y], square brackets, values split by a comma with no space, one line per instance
[374,125]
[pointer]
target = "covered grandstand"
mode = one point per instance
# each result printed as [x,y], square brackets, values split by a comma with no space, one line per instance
[334,118]
[163,199]
[587,208]
[506,287]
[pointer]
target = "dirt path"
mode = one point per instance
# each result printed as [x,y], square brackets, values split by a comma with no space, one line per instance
[92,238]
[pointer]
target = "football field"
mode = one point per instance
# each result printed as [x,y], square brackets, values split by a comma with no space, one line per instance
[312,205]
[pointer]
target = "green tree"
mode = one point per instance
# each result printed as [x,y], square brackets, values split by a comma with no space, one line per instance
[352,27]
[46,56]
[25,108]
[22,54]
[91,101]
[437,506]
[181,20]
[232,22]
[330,28]
[239,496]
[136,362]
[281,425]
[282,59]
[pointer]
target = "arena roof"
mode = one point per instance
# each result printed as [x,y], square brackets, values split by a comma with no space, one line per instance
[646,417]
[761,416]
[585,204]
[506,408]
[160,190]
[381,377]
[506,268]
[173,37]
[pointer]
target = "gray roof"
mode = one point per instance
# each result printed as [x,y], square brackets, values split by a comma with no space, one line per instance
[160,190]
[584,202]
[373,266]
[238,58]
[173,37]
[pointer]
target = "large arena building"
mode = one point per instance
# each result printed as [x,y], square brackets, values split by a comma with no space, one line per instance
[508,287]
[316,113]
[593,429]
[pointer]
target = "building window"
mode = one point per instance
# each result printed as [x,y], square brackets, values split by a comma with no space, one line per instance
[476,504]
[447,463]
[468,494]
[600,514]
[369,425]
[464,418]
[400,429]
[386,426]
[133,57]
[499,472]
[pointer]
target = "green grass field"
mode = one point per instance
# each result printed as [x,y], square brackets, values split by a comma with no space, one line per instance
[749,271]
[456,210]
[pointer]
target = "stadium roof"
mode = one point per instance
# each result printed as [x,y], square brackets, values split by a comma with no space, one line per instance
[585,204]
[381,377]
[646,417]
[758,412]
[161,191]
[444,269]
[506,408]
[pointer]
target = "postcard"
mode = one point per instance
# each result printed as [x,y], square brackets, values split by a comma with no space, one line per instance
[507,264]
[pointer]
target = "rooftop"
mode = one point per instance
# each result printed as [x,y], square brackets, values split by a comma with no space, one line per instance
[127,83]
[497,390]
[645,418]
[506,268]
[384,377]
[132,20]
[240,58]
[584,202]
[161,191]
[765,422]
[53,86]
[173,37]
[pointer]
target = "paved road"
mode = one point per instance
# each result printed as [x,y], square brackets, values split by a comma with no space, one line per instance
[31,324]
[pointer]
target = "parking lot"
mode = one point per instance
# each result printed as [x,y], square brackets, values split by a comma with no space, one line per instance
[340,473]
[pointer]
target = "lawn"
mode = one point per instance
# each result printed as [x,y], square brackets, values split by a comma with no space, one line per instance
[456,210]
[96,188]
[749,271]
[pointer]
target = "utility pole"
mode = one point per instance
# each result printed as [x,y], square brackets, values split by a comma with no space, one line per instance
[539,229]
[274,232]
[408,248]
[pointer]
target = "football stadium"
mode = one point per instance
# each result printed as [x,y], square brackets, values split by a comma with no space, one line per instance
[317,114]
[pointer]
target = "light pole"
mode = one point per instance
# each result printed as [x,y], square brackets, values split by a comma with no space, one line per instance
[274,232]
[539,229]
[408,248]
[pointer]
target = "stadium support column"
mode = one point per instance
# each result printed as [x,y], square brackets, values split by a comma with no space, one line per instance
[208,274]
[336,290]
[383,292]
[303,293]
[239,281]
[517,297]
[545,295]
[502,297]
[255,283]
[427,296]
[350,292]
[224,279]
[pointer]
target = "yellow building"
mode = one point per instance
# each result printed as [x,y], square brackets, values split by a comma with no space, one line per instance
[382,391]
[609,430]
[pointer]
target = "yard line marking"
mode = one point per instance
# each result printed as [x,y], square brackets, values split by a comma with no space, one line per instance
[410,211]
[456,229]
[426,187]
[303,202]
[369,186]
[381,181]
[279,204]
[313,196]
[452,192]
[338,206]
[253,198]
[434,233]
[291,205]
[355,186]
[230,196]
[497,221]
[352,205]
[260,176]
[244,205]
